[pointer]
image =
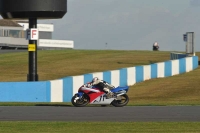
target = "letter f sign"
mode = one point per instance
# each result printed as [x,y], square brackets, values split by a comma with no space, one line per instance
[34,34]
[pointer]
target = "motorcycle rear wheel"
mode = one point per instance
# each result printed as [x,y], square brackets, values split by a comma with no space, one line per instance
[83,101]
[124,99]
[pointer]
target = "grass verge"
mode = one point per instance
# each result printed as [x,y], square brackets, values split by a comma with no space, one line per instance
[99,127]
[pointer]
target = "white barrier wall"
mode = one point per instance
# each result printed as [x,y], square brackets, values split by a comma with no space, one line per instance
[130,76]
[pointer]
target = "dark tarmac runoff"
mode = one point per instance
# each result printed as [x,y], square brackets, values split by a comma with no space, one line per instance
[3,51]
[109,114]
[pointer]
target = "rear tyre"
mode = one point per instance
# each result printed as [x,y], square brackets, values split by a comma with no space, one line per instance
[121,101]
[83,101]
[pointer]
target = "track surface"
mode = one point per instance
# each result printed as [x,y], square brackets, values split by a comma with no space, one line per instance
[11,51]
[121,114]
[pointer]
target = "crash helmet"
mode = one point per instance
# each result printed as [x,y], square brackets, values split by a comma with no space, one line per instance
[95,79]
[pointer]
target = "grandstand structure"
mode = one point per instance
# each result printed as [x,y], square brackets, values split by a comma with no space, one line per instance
[13,35]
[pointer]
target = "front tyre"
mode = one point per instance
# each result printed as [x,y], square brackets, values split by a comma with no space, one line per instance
[120,101]
[81,102]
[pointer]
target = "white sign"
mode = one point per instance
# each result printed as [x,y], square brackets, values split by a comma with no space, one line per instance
[56,43]
[34,34]
[40,27]
[45,27]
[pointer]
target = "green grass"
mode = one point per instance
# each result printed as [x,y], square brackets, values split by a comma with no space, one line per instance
[61,63]
[99,127]
[177,90]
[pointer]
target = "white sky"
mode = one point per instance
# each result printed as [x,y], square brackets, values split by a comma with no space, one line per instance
[129,24]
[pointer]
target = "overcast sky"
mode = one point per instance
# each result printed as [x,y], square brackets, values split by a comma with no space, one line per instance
[129,24]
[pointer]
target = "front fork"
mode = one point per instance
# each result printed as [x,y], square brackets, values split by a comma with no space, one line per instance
[118,95]
[78,95]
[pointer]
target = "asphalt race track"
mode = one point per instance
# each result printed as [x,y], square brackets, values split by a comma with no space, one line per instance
[12,51]
[112,114]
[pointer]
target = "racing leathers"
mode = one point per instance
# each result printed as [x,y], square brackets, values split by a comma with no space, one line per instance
[88,87]
[105,86]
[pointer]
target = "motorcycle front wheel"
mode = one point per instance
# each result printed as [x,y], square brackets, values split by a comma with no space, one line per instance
[81,102]
[120,101]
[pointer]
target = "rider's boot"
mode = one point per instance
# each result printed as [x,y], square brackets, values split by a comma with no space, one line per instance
[109,95]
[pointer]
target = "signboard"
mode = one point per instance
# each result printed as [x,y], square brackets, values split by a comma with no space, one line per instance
[55,43]
[28,34]
[32,34]
[31,47]
[185,37]
[190,43]
[40,27]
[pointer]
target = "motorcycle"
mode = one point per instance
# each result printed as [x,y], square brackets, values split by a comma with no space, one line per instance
[96,96]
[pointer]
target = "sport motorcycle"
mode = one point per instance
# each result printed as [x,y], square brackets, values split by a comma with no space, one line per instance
[96,96]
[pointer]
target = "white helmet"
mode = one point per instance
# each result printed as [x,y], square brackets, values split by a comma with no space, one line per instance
[94,79]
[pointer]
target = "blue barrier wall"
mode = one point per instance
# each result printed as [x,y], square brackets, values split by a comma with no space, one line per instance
[62,90]
[25,91]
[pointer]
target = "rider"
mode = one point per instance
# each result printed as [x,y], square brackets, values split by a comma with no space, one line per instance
[88,87]
[155,46]
[103,85]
